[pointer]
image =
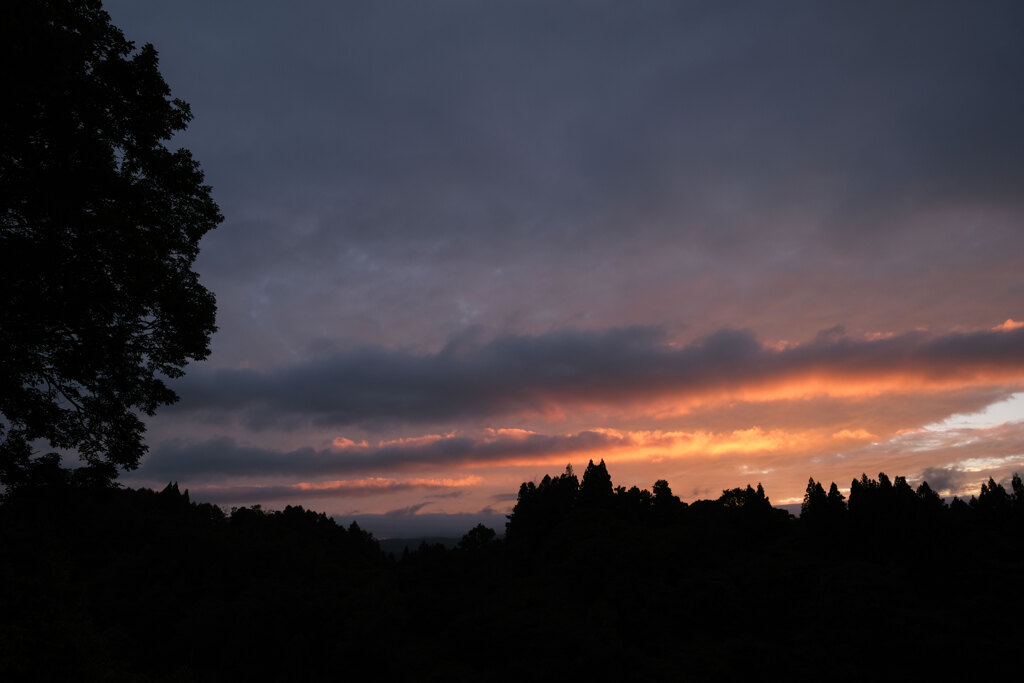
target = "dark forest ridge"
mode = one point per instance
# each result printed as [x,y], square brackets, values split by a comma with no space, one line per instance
[123,584]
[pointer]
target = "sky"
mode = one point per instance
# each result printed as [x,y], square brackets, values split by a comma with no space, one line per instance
[468,243]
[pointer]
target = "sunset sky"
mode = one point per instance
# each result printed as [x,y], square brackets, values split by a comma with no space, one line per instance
[718,243]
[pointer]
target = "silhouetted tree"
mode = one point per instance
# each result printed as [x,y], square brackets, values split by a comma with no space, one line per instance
[992,501]
[748,507]
[904,502]
[99,227]
[1017,497]
[477,538]
[863,503]
[633,504]
[538,507]
[835,504]
[813,508]
[666,505]
[931,505]
[744,498]
[596,487]
[959,510]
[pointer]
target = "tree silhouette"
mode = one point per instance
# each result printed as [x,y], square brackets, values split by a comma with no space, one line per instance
[815,502]
[99,227]
[596,487]
[666,505]
[477,538]
[539,506]
[835,503]
[993,500]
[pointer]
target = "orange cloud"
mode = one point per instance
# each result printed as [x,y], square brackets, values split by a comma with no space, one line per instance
[830,384]
[1009,324]
[343,443]
[414,440]
[496,434]
[372,486]
[854,434]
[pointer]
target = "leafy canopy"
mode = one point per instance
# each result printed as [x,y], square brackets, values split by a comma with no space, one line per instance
[99,227]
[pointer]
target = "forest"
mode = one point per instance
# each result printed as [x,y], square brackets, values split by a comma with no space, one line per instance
[104,582]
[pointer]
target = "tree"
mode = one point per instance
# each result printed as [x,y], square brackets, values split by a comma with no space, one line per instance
[477,538]
[993,499]
[815,502]
[931,505]
[835,505]
[666,504]
[99,227]
[596,488]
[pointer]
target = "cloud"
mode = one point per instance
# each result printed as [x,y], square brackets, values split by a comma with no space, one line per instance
[854,434]
[449,494]
[547,374]
[393,171]
[406,511]
[1009,324]
[943,480]
[375,486]
[222,458]
[225,458]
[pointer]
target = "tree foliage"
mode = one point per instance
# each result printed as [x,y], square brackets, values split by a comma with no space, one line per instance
[99,227]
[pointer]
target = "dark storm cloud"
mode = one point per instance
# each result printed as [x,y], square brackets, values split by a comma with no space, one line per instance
[541,374]
[345,489]
[183,460]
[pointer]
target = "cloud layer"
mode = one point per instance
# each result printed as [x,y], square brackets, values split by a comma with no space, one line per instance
[550,374]
[401,171]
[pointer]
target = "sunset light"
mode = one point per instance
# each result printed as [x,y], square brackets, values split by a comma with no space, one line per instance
[483,264]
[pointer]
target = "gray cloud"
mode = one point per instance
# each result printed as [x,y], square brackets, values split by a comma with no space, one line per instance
[944,478]
[218,458]
[449,494]
[292,493]
[536,374]
[406,511]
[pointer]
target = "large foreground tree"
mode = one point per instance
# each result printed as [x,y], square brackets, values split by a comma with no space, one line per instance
[99,227]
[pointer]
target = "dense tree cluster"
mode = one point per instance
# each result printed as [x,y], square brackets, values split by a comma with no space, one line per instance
[563,506]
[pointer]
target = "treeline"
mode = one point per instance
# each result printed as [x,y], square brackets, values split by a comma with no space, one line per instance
[877,509]
[590,579]
[883,502]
